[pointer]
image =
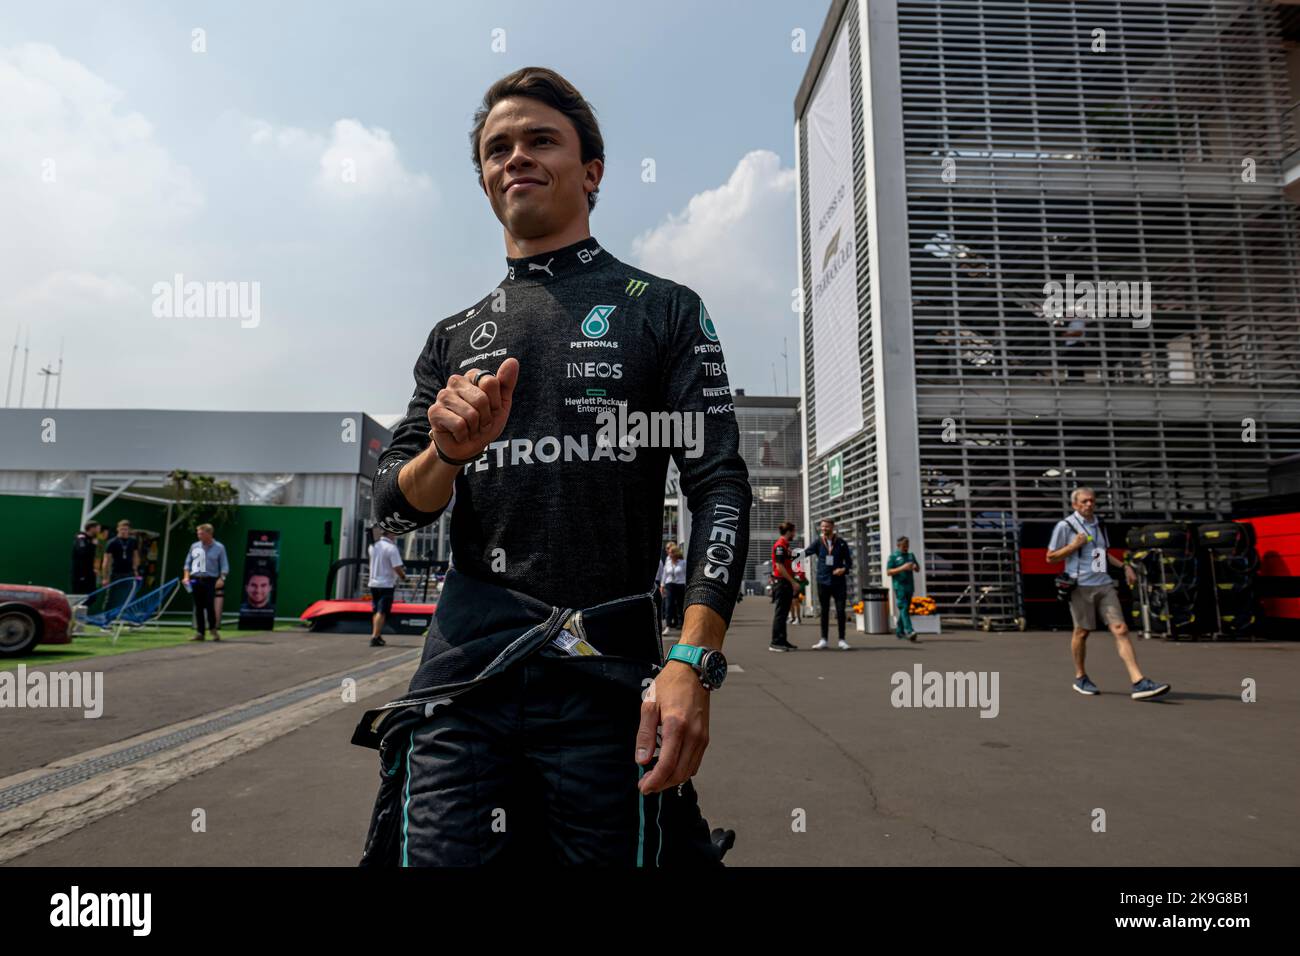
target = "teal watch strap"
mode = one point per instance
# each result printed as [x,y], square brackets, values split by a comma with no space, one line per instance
[687,654]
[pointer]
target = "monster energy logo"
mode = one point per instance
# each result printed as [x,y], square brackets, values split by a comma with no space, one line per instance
[635,287]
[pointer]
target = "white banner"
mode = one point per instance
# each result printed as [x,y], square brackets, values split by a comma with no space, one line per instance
[837,373]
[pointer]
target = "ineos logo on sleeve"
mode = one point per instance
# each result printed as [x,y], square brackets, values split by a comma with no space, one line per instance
[483,336]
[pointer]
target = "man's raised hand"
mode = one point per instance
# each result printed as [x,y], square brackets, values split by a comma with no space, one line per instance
[466,418]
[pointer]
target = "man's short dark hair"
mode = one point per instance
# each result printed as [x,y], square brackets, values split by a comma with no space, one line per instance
[785,527]
[546,86]
[91,524]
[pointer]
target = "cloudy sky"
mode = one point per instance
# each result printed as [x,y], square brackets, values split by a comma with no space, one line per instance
[128,157]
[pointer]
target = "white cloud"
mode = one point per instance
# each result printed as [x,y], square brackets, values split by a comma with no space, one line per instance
[351,161]
[96,209]
[61,287]
[73,164]
[735,246]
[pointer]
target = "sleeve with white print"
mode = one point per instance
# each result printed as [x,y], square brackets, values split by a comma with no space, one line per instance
[391,509]
[713,474]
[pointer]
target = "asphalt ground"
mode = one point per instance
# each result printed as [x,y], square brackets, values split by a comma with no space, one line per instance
[809,761]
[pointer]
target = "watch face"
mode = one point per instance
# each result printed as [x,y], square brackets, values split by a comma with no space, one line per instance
[714,669]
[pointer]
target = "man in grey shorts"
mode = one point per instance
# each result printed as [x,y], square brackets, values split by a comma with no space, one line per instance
[1080,541]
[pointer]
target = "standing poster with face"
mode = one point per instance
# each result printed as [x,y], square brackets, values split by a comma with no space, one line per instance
[261,573]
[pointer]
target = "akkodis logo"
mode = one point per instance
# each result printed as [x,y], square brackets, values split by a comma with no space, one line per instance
[706,325]
[596,324]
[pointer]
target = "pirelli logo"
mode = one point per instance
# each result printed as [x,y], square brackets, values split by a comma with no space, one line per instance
[635,287]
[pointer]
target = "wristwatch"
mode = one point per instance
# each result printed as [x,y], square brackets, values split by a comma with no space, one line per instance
[710,665]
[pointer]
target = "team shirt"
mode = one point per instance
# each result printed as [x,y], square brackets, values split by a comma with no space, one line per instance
[903,580]
[781,557]
[121,551]
[561,491]
[832,555]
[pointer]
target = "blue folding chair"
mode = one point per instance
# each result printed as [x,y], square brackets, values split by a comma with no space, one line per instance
[116,596]
[147,608]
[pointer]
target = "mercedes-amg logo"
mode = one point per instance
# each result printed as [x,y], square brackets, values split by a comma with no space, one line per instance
[482,336]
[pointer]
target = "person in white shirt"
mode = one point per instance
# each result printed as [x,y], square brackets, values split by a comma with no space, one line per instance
[385,568]
[673,575]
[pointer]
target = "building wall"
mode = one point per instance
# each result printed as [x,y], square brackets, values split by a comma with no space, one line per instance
[857,510]
[770,443]
[38,534]
[1116,165]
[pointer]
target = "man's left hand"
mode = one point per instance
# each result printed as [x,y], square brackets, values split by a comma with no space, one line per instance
[678,703]
[837,572]
[1130,575]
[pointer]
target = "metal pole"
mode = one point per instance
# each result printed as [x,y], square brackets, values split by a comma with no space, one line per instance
[13,358]
[1214,581]
[167,539]
[22,384]
[58,386]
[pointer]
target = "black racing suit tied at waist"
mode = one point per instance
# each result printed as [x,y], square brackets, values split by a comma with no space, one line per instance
[482,629]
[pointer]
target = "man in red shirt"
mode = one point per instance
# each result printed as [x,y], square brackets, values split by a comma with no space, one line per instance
[784,586]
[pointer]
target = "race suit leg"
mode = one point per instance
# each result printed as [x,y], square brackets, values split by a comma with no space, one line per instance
[579,735]
[463,801]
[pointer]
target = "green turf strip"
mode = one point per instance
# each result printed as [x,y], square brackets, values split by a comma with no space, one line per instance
[95,643]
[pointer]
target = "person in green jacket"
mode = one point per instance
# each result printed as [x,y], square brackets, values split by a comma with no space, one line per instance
[901,566]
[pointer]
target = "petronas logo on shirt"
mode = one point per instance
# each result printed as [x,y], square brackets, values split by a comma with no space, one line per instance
[596,324]
[706,324]
[635,287]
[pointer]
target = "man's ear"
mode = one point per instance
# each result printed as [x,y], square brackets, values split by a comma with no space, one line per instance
[595,172]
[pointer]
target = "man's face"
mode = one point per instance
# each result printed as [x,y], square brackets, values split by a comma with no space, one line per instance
[1086,504]
[904,545]
[258,590]
[525,141]
[205,535]
[828,529]
[124,531]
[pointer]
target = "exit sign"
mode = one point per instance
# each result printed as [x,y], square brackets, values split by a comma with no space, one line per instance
[835,474]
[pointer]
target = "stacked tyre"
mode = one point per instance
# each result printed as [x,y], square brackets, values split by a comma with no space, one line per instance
[1172,575]
[1232,559]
